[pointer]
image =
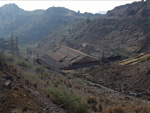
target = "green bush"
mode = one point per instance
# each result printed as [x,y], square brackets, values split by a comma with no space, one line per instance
[39,69]
[119,51]
[18,61]
[61,96]
[2,59]
[9,58]
[22,63]
[87,20]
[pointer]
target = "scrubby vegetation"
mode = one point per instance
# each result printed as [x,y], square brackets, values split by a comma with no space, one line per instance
[61,96]
[18,61]
[74,95]
[39,69]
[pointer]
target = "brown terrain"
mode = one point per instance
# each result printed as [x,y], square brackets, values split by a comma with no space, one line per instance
[131,76]
[17,95]
[121,86]
[38,90]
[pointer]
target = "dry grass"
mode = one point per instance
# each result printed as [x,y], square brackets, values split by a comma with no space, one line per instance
[142,109]
[33,79]
[116,109]
[92,103]
[52,80]
[128,109]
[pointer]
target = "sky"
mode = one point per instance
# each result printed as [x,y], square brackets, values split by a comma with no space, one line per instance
[93,6]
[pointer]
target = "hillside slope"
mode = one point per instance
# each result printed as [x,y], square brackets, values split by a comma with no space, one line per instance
[131,76]
[117,32]
[17,95]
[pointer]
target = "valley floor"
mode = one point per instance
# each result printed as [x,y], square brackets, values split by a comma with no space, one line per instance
[130,77]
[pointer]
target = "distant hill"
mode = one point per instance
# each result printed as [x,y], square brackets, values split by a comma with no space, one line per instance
[123,30]
[32,26]
[137,10]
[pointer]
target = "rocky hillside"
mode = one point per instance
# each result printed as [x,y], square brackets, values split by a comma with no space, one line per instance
[32,26]
[123,30]
[18,95]
[14,92]
[137,9]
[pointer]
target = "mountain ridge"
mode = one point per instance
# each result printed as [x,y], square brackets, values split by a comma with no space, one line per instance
[32,26]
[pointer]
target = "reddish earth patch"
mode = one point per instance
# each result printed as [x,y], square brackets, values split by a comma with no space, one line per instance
[18,96]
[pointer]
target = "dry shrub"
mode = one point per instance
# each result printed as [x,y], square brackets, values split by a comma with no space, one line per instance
[115,109]
[101,100]
[76,86]
[47,82]
[2,60]
[91,100]
[107,102]
[142,109]
[89,90]
[61,80]
[100,108]
[33,79]
[128,109]
[69,84]
[92,103]
[35,85]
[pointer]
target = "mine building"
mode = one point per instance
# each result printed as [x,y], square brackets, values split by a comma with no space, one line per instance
[64,57]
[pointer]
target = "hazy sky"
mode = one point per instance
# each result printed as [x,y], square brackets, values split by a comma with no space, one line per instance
[92,6]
